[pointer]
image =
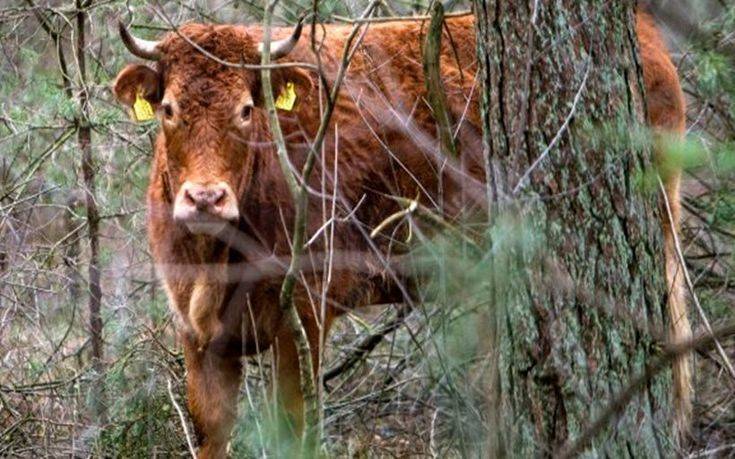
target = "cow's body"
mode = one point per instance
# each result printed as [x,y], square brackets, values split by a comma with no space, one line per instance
[225,288]
[369,124]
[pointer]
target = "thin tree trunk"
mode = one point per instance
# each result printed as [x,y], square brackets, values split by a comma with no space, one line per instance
[585,305]
[88,171]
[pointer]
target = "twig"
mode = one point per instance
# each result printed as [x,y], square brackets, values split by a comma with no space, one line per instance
[184,424]
[286,303]
[431,217]
[455,14]
[690,286]
[711,452]
[681,21]
[333,220]
[557,137]
[412,205]
[300,196]
[36,163]
[366,345]
[432,78]
[56,38]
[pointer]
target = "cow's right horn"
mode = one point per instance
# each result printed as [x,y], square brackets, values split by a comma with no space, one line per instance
[281,48]
[142,48]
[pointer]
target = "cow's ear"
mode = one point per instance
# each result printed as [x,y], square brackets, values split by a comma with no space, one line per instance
[138,79]
[302,81]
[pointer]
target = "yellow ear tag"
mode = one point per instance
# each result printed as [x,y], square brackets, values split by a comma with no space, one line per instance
[142,110]
[287,97]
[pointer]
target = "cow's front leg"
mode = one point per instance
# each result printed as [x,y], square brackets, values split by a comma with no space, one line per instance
[212,384]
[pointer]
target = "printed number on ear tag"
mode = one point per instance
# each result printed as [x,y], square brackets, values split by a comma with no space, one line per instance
[142,110]
[287,97]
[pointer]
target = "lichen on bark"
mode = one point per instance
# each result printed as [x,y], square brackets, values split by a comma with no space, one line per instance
[583,316]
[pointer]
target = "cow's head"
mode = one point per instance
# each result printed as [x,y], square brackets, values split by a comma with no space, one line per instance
[212,118]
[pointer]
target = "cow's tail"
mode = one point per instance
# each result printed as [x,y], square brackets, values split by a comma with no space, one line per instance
[666,110]
[679,328]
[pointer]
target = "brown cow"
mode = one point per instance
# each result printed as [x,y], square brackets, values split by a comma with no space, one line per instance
[220,212]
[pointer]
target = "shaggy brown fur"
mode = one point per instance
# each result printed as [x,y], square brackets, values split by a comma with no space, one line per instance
[224,289]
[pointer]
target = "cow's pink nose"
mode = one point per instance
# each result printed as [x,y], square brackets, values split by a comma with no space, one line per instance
[198,203]
[204,198]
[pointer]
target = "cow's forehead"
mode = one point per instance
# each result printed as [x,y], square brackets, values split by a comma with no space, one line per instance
[191,74]
[227,42]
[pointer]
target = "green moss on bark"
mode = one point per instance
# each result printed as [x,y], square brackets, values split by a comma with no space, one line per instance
[584,316]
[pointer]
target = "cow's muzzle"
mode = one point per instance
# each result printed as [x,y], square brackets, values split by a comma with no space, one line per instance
[205,208]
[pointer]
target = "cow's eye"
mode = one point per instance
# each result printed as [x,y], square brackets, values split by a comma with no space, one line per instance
[168,111]
[246,113]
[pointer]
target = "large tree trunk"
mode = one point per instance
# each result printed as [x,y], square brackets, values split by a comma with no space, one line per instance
[584,314]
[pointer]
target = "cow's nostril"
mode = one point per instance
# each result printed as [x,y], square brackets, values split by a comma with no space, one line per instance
[219,198]
[189,198]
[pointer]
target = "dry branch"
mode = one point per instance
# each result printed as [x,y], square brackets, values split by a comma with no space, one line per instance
[434,88]
[300,194]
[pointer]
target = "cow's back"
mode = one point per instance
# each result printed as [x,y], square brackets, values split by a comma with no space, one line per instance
[387,134]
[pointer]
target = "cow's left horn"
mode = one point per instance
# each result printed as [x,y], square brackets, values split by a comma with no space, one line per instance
[142,48]
[281,48]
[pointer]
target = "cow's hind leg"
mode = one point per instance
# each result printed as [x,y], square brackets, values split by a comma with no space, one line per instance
[212,387]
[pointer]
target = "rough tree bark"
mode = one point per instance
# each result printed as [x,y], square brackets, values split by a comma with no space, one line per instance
[584,316]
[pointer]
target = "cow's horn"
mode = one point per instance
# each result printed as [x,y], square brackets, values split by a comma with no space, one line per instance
[281,48]
[142,48]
